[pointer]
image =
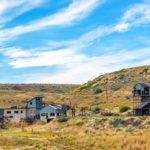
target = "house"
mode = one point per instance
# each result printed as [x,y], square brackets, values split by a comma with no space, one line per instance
[50,112]
[33,107]
[142,99]
[14,114]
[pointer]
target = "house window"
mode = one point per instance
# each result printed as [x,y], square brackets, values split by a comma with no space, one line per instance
[52,114]
[16,111]
[21,111]
[43,114]
[58,114]
[146,90]
[38,98]
[30,103]
[8,112]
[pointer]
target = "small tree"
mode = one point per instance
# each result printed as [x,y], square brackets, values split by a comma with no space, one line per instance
[124,109]
[62,118]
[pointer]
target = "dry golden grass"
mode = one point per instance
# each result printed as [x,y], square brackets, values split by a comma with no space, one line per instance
[76,134]
[11,98]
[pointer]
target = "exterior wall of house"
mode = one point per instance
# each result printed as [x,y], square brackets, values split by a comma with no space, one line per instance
[32,113]
[15,115]
[34,110]
[33,107]
[49,112]
[1,113]
[142,97]
[36,102]
[31,104]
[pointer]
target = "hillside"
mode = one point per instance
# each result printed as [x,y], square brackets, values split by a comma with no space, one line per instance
[17,94]
[109,91]
[52,88]
[112,90]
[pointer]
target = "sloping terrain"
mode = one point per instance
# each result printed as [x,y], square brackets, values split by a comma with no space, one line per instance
[52,88]
[112,90]
[17,94]
[108,91]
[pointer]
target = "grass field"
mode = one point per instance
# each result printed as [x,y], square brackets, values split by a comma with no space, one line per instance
[76,134]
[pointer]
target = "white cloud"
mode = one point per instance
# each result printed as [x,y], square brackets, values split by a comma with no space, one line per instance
[16,53]
[91,67]
[10,9]
[137,14]
[49,58]
[76,11]
[121,27]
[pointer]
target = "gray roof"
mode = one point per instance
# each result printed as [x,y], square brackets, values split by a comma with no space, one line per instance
[56,106]
[146,84]
[143,84]
[142,104]
[33,98]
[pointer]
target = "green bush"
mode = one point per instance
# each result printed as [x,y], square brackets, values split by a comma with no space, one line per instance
[62,119]
[124,109]
[96,110]
[97,89]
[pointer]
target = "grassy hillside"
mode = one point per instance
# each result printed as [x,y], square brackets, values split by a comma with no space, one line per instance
[52,88]
[112,90]
[109,91]
[17,94]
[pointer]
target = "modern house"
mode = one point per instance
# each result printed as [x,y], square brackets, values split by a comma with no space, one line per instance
[33,108]
[141,99]
[14,114]
[50,112]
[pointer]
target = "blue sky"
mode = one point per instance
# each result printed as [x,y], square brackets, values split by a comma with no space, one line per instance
[71,41]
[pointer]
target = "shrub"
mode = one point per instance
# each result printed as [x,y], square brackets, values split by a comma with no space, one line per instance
[128,97]
[124,109]
[96,110]
[62,119]
[116,87]
[4,125]
[97,90]
[79,122]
